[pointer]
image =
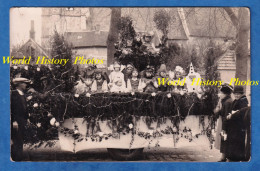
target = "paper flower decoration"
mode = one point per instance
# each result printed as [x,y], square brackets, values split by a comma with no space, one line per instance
[29,98]
[174,129]
[52,121]
[131,126]
[179,69]
[57,124]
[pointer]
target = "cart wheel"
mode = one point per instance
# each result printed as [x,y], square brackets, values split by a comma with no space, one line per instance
[126,154]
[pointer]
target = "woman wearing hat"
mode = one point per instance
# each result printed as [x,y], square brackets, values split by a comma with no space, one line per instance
[19,117]
[223,109]
[236,128]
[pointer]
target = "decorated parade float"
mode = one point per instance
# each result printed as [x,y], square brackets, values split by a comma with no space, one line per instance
[124,108]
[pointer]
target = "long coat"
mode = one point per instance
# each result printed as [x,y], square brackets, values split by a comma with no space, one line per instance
[225,110]
[20,115]
[236,131]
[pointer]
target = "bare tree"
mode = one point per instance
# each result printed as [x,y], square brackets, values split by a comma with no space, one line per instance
[242,25]
[113,34]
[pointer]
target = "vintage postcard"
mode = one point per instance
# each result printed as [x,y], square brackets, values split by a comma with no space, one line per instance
[169,84]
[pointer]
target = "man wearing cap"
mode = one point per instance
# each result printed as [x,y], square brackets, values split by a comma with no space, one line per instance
[19,117]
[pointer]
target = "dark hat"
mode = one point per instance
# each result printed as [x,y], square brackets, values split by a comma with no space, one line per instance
[226,89]
[239,89]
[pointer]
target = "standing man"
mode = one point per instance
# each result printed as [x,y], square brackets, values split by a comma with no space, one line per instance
[19,117]
[239,127]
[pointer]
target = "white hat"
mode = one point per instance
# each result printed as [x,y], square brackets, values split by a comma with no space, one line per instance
[117,65]
[21,80]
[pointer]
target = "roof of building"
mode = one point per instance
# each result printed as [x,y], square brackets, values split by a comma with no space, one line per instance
[87,39]
[227,61]
[24,51]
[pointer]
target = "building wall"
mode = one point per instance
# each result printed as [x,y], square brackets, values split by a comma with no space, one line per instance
[89,53]
[227,75]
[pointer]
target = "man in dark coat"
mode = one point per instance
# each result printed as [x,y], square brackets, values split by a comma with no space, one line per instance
[19,117]
[236,130]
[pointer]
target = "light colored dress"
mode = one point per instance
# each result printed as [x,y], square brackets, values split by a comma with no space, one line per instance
[117,82]
[218,131]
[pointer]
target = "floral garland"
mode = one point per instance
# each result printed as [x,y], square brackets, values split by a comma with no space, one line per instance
[121,110]
[151,135]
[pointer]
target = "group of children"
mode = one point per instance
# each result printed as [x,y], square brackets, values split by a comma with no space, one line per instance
[130,79]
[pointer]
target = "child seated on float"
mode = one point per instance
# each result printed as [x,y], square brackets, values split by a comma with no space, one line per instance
[162,75]
[134,84]
[100,82]
[148,81]
[117,82]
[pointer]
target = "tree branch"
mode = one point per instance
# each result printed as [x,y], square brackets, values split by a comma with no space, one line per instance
[232,16]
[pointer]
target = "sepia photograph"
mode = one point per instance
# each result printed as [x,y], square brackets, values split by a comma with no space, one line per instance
[99,84]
